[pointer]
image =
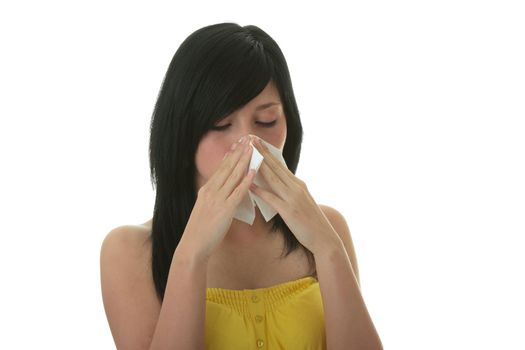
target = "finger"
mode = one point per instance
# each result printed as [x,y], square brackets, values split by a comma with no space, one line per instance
[226,167]
[271,178]
[238,173]
[274,165]
[241,190]
[274,201]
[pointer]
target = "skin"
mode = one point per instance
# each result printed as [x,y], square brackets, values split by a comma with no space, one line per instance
[246,248]
[216,143]
[339,288]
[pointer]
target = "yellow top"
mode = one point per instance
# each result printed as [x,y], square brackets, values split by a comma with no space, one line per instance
[287,316]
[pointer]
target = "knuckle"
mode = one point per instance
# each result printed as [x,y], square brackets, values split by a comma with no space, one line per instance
[295,211]
[301,185]
[235,195]
[203,191]
[272,177]
[239,171]
[298,192]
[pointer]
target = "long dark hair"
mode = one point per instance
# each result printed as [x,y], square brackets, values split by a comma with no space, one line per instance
[216,70]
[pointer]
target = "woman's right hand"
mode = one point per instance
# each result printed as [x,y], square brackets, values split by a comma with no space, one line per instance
[217,201]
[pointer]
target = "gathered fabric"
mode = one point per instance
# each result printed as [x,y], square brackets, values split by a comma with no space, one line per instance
[285,316]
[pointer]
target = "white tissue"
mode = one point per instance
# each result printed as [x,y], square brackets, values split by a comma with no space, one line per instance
[246,209]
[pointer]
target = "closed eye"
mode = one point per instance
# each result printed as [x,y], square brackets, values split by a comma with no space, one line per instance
[264,125]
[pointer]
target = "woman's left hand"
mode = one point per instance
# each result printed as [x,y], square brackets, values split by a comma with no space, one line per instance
[292,200]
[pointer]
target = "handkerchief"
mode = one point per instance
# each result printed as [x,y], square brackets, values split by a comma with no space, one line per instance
[246,209]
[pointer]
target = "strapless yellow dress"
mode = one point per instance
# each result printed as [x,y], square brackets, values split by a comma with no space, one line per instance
[285,316]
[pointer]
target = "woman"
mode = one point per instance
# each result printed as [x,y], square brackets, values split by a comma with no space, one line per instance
[194,278]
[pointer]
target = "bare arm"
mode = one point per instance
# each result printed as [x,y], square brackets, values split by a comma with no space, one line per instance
[182,317]
[137,319]
[348,324]
[347,321]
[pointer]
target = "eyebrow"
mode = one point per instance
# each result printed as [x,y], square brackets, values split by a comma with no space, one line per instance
[266,105]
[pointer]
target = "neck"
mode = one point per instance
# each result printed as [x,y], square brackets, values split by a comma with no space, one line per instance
[241,233]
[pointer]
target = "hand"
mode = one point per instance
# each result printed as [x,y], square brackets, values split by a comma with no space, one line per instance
[216,202]
[289,196]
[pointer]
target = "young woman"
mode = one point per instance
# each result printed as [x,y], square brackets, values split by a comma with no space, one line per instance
[194,278]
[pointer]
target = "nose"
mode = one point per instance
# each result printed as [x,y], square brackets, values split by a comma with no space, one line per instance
[251,137]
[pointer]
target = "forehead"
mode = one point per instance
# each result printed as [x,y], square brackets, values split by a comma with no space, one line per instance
[267,100]
[268,94]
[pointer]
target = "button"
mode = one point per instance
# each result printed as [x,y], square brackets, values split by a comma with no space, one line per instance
[260,343]
[258,318]
[255,298]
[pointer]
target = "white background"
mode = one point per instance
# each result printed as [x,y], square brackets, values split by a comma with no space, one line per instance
[413,115]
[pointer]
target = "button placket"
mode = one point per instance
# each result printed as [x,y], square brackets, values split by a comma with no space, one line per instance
[257,312]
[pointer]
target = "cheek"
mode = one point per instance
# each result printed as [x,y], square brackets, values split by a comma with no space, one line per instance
[209,155]
[276,136]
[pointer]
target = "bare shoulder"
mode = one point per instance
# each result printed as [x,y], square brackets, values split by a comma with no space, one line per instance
[340,225]
[128,239]
[128,293]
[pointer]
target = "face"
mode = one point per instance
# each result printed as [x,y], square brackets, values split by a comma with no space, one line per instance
[247,120]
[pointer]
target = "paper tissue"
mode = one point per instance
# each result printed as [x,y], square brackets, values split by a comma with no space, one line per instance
[246,209]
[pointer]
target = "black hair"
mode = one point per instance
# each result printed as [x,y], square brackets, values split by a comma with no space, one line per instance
[216,70]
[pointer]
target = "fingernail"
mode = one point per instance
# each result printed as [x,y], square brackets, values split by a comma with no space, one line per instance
[234,146]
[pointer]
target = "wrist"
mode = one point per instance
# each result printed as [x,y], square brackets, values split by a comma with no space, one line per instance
[189,255]
[330,244]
